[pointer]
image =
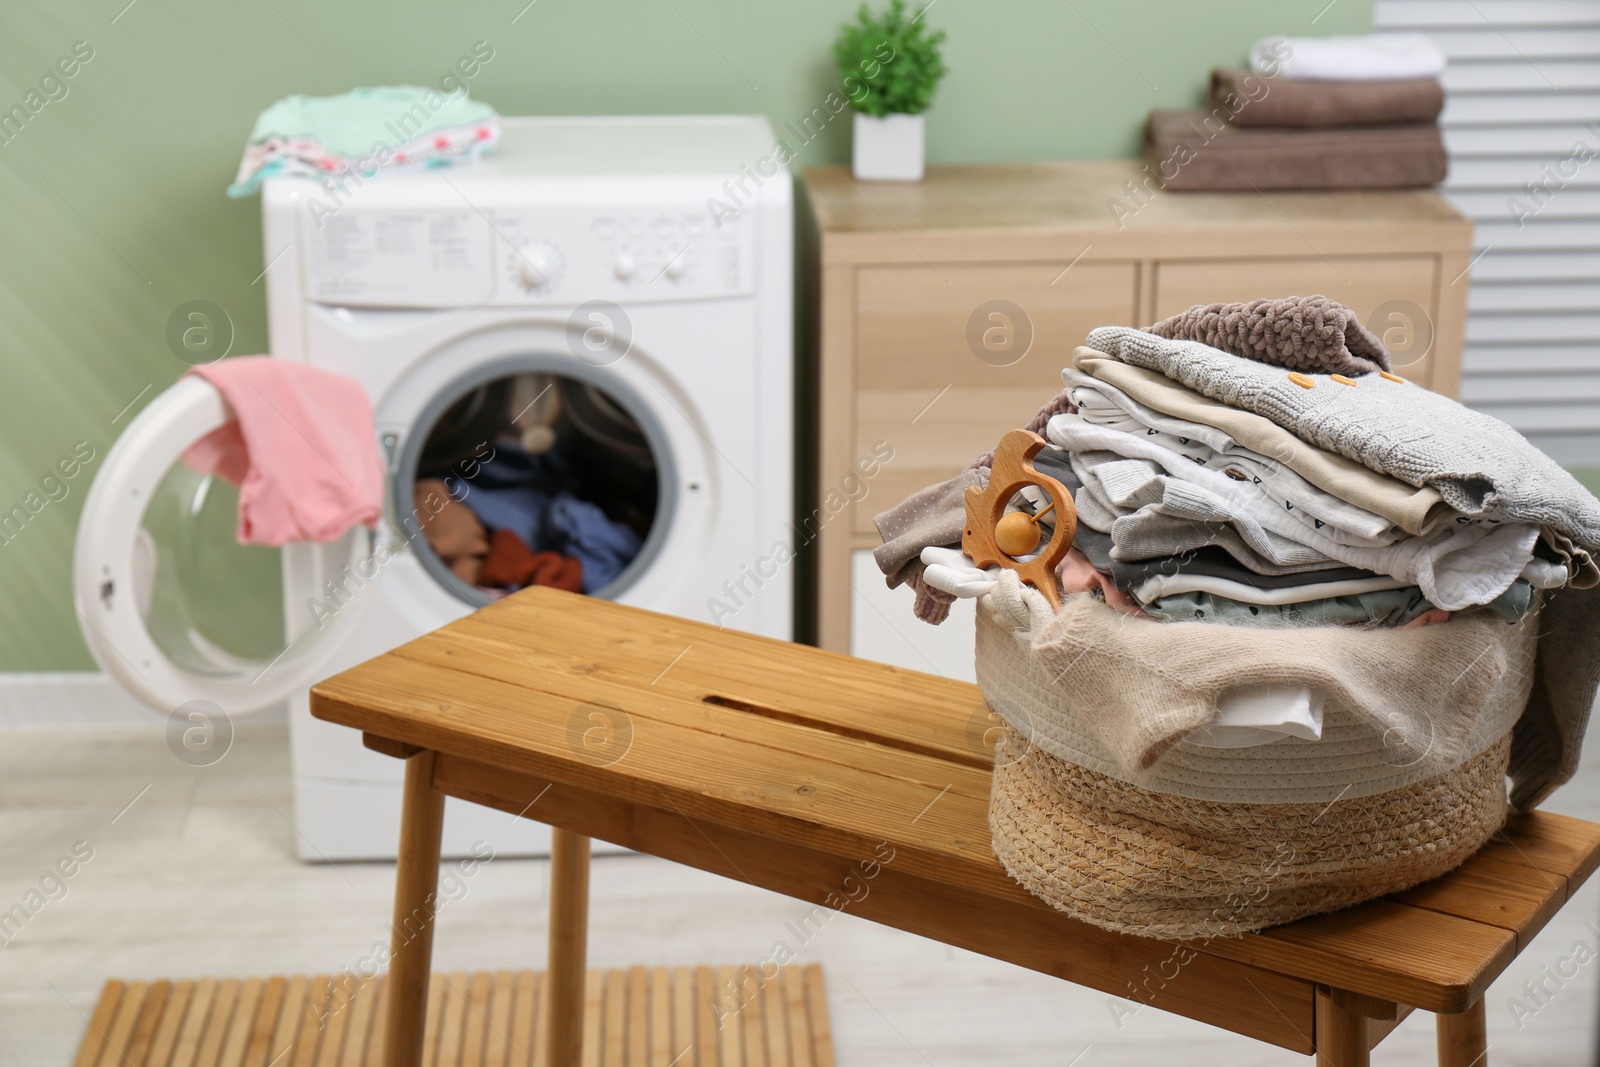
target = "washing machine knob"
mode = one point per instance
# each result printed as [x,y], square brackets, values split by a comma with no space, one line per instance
[623,266]
[533,266]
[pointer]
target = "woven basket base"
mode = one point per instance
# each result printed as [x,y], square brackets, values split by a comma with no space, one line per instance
[1160,865]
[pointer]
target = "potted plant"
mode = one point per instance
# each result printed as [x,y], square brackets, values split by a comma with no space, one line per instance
[890,66]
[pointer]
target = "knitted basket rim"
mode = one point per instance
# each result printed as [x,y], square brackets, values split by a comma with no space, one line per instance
[1351,759]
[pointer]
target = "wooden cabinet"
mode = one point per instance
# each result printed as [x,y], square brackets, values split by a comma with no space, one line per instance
[919,384]
[949,306]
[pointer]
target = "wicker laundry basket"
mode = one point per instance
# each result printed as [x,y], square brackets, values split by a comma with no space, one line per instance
[1216,842]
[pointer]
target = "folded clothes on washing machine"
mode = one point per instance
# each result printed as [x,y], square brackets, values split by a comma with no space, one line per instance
[362,132]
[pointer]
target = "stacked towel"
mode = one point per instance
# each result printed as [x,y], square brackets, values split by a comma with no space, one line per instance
[1374,57]
[1329,113]
[1259,465]
[364,131]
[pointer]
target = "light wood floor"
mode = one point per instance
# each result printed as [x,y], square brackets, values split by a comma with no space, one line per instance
[197,877]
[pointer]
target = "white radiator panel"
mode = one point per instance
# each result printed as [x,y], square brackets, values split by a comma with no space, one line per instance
[1522,92]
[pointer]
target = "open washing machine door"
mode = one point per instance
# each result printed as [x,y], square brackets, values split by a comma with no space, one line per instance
[173,608]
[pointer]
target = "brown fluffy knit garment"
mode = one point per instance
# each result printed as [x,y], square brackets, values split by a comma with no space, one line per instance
[1304,333]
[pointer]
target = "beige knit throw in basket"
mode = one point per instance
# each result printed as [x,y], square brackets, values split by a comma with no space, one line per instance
[1100,808]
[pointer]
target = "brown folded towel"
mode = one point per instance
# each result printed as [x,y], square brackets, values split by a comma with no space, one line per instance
[1193,150]
[1254,100]
[1305,333]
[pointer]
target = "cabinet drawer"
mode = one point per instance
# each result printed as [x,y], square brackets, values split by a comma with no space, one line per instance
[1393,295]
[941,372]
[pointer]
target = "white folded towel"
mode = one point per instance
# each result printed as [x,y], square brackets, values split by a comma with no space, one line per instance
[1373,57]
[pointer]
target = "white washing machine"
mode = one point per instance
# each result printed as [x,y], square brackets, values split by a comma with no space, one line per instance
[580,273]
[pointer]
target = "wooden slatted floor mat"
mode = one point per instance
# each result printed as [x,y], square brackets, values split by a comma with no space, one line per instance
[639,1017]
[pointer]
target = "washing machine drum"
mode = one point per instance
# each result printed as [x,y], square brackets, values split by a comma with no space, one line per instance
[593,415]
[608,447]
[532,476]
[466,425]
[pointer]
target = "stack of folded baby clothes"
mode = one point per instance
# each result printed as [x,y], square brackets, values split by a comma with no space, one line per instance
[1311,113]
[1258,464]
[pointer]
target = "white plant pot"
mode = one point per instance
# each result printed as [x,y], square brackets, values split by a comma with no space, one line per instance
[888,149]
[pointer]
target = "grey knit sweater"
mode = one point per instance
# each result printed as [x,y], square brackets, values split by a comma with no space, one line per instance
[1478,464]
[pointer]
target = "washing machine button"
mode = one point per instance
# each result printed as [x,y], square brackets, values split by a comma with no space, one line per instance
[533,266]
[623,266]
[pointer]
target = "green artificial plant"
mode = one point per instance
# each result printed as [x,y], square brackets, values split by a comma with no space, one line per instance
[890,64]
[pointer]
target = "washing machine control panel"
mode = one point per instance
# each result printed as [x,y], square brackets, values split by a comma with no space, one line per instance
[480,255]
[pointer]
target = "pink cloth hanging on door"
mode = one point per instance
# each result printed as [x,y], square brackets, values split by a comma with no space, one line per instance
[301,448]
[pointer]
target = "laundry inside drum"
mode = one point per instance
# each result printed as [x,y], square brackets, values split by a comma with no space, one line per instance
[535,479]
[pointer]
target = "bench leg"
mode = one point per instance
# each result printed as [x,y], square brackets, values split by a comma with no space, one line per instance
[416,881]
[569,933]
[1342,1035]
[1464,1038]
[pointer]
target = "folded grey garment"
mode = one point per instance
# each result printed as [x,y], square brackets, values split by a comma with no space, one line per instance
[1057,463]
[1150,515]
[1218,563]
[1094,544]
[1412,508]
[1171,584]
[1480,466]
[1152,532]
[1462,564]
[1103,404]
[1384,607]
[1149,530]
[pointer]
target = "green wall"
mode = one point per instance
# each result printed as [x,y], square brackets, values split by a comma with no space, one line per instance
[111,206]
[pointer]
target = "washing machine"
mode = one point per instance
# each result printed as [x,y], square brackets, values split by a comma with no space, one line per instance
[618,286]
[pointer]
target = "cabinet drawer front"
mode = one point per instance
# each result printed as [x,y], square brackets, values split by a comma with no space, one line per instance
[1393,295]
[940,371]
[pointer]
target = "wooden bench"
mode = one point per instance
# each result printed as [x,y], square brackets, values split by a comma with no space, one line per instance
[818,775]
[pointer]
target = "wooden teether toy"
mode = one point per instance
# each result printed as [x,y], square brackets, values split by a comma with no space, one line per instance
[994,537]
